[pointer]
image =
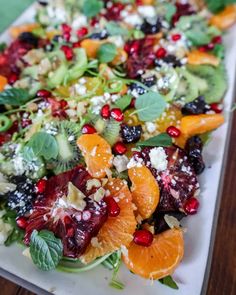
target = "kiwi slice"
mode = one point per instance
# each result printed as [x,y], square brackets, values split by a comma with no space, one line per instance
[187,87]
[69,154]
[108,129]
[215,81]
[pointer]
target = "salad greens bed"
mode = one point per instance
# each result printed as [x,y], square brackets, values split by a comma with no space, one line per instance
[102,92]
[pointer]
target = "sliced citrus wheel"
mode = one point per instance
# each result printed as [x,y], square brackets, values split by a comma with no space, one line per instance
[158,260]
[116,231]
[145,190]
[97,153]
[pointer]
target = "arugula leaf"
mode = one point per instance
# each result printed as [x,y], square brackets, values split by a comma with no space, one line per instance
[150,106]
[14,96]
[114,29]
[92,7]
[106,52]
[162,139]
[168,281]
[45,249]
[3,46]
[123,102]
[44,144]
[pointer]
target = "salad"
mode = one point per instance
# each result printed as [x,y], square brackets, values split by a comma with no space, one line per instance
[106,107]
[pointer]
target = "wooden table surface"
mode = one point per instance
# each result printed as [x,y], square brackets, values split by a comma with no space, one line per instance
[222,279]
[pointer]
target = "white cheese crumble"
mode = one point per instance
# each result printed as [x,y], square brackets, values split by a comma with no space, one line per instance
[135,163]
[5,229]
[120,163]
[147,11]
[151,127]
[133,19]
[158,158]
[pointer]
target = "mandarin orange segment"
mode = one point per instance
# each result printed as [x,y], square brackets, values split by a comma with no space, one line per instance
[3,82]
[158,260]
[171,117]
[225,18]
[91,47]
[197,57]
[145,190]
[198,124]
[97,153]
[116,231]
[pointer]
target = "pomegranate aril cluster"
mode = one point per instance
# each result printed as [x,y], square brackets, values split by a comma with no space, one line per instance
[143,238]
[88,129]
[191,206]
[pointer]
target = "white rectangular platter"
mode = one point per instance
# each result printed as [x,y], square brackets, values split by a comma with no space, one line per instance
[192,274]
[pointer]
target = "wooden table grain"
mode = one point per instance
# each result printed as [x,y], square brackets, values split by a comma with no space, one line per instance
[222,279]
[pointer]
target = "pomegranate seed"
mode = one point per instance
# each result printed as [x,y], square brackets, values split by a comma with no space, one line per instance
[127,47]
[93,21]
[132,103]
[88,129]
[112,207]
[119,148]
[68,51]
[172,131]
[66,28]
[203,48]
[76,44]
[191,206]
[137,155]
[134,48]
[63,104]
[67,36]
[82,32]
[105,111]
[143,237]
[217,40]
[43,93]
[70,232]
[67,220]
[176,37]
[161,52]
[22,222]
[59,114]
[210,46]
[25,122]
[13,78]
[41,186]
[216,107]
[117,114]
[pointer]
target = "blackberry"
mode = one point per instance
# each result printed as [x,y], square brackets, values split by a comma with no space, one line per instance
[29,38]
[196,107]
[100,35]
[130,134]
[149,81]
[169,59]
[21,199]
[160,224]
[43,2]
[136,89]
[148,28]
[193,148]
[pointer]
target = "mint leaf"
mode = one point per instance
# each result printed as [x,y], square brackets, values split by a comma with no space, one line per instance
[170,10]
[115,29]
[162,139]
[219,51]
[150,106]
[123,102]
[3,46]
[45,250]
[92,7]
[168,281]
[44,145]
[106,52]
[14,96]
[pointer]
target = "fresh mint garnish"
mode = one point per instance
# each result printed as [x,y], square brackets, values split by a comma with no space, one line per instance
[92,7]
[106,52]
[123,102]
[115,29]
[168,281]
[3,46]
[162,139]
[45,250]
[14,96]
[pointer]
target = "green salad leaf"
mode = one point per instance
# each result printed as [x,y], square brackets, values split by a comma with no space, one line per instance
[115,29]
[170,10]
[218,5]
[92,7]
[45,250]
[3,46]
[162,139]
[168,281]
[150,106]
[44,145]
[106,52]
[14,96]
[123,102]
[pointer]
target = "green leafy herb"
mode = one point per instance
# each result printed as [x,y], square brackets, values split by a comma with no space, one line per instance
[92,7]
[150,106]
[218,5]
[3,46]
[168,281]
[170,10]
[219,51]
[45,249]
[123,102]
[162,139]
[115,29]
[14,96]
[44,145]
[107,52]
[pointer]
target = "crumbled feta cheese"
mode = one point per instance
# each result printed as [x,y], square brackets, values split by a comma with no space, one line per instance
[80,89]
[133,19]
[147,11]
[151,127]
[80,21]
[135,163]
[158,158]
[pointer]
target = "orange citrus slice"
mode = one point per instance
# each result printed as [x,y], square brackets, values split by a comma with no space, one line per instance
[158,260]
[196,57]
[224,19]
[116,231]
[97,154]
[145,190]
